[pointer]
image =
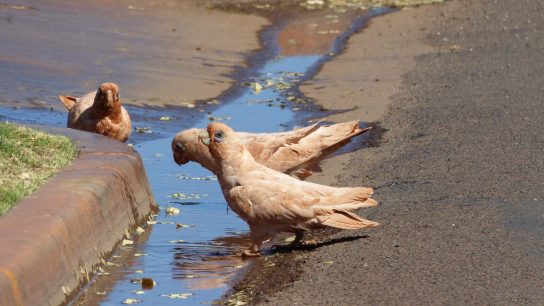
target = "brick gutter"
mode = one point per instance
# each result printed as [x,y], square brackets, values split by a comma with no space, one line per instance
[72,221]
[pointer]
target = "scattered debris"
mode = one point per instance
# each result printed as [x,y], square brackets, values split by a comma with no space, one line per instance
[144,130]
[127,242]
[148,283]
[131,301]
[177,295]
[257,88]
[177,241]
[172,211]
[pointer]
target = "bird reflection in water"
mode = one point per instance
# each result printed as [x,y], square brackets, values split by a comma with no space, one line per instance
[208,265]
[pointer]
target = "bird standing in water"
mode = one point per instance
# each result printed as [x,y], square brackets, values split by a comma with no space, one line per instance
[271,201]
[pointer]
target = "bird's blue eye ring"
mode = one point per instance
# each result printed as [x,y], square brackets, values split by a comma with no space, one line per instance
[219,136]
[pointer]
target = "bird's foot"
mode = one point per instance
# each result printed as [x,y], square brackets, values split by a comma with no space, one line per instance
[250,253]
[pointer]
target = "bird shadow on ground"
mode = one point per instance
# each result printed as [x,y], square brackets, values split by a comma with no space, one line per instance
[286,248]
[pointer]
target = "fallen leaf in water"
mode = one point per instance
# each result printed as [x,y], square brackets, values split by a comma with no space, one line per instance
[100,292]
[131,301]
[188,104]
[165,222]
[127,242]
[139,230]
[151,222]
[181,196]
[140,254]
[178,225]
[177,295]
[257,88]
[111,264]
[176,241]
[172,211]
[145,129]
[164,118]
[219,118]
[148,283]
[139,292]
[139,271]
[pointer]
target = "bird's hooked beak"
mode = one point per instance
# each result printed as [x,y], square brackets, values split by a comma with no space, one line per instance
[204,137]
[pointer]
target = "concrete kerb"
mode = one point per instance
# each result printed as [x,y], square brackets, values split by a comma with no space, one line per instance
[55,237]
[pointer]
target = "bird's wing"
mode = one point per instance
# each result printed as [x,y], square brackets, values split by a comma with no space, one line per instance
[273,204]
[301,148]
[318,143]
[341,197]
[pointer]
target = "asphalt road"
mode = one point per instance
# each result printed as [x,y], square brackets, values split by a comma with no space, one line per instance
[459,173]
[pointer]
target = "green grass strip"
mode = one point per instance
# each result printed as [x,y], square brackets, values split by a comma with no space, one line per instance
[27,158]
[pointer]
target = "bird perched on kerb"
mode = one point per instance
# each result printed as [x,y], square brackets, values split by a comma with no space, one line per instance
[294,152]
[271,201]
[99,112]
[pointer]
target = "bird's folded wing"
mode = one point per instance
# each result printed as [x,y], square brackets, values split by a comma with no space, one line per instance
[278,205]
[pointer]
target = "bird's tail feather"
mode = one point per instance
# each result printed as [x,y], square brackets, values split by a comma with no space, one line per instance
[68,101]
[344,220]
[354,197]
[339,132]
[368,202]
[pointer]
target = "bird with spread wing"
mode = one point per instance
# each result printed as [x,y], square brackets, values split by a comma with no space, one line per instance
[295,152]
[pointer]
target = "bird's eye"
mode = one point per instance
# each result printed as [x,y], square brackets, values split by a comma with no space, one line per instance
[219,136]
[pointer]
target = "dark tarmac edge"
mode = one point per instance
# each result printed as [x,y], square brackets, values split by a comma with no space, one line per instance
[458,173]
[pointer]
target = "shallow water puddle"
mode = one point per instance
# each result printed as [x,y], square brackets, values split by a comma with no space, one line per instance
[183,251]
[189,253]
